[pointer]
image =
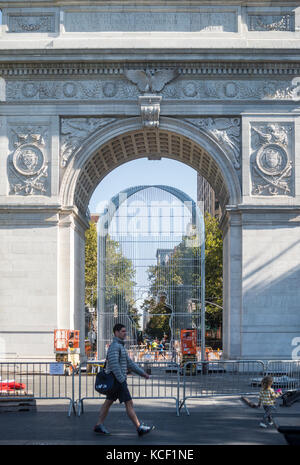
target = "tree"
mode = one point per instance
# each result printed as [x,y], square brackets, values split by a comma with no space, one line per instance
[91,265]
[119,281]
[119,275]
[213,271]
[159,317]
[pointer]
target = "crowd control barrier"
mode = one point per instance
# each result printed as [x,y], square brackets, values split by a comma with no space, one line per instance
[38,380]
[168,380]
[285,373]
[220,378]
[163,383]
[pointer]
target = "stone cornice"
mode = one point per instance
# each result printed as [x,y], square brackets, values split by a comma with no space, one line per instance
[52,3]
[38,213]
[264,210]
[258,69]
[193,58]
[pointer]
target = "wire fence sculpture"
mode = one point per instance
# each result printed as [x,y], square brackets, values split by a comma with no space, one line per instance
[151,267]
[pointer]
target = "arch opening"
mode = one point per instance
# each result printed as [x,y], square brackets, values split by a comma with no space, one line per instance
[210,162]
[123,142]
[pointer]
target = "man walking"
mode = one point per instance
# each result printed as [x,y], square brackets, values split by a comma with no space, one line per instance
[119,362]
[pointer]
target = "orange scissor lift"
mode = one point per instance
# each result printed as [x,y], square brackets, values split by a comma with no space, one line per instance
[66,348]
[188,339]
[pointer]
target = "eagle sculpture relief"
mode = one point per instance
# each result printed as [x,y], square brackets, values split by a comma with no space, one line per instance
[150,80]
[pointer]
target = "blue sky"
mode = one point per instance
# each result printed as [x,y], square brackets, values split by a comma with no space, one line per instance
[144,172]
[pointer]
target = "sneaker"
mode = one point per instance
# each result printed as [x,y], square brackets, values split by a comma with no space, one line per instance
[263,425]
[143,429]
[101,429]
[270,423]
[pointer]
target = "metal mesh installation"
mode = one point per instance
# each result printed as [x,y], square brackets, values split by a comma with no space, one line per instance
[151,267]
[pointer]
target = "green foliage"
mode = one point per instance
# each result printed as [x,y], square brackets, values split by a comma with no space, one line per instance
[119,281]
[91,265]
[213,271]
[119,277]
[158,324]
[120,274]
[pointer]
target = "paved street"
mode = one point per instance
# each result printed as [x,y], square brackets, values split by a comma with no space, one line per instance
[218,421]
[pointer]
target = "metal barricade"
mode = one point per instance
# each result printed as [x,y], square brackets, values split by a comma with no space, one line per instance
[285,373]
[155,356]
[38,380]
[220,378]
[168,380]
[163,384]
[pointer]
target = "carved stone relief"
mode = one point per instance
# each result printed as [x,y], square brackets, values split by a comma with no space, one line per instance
[150,81]
[73,133]
[31,22]
[195,89]
[271,160]
[268,22]
[150,110]
[226,132]
[27,163]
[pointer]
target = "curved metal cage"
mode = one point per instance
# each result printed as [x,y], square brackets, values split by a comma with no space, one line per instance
[151,268]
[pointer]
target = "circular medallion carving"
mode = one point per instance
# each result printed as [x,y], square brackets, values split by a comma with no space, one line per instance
[30,89]
[190,89]
[69,89]
[272,159]
[28,160]
[109,89]
[230,89]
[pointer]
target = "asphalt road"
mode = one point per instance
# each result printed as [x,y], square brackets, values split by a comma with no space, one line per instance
[212,421]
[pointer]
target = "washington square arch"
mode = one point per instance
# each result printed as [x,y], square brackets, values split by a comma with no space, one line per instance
[87,86]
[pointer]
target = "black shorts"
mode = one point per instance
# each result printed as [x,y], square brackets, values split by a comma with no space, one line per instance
[122,393]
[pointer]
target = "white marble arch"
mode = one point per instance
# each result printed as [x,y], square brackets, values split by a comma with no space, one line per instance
[221,166]
[237,62]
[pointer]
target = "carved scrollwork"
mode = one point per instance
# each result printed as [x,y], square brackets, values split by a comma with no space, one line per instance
[196,89]
[28,160]
[226,131]
[28,169]
[271,159]
[31,23]
[260,22]
[73,133]
[150,110]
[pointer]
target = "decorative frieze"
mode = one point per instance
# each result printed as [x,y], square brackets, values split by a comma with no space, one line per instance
[272,159]
[183,88]
[33,22]
[27,163]
[87,89]
[233,89]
